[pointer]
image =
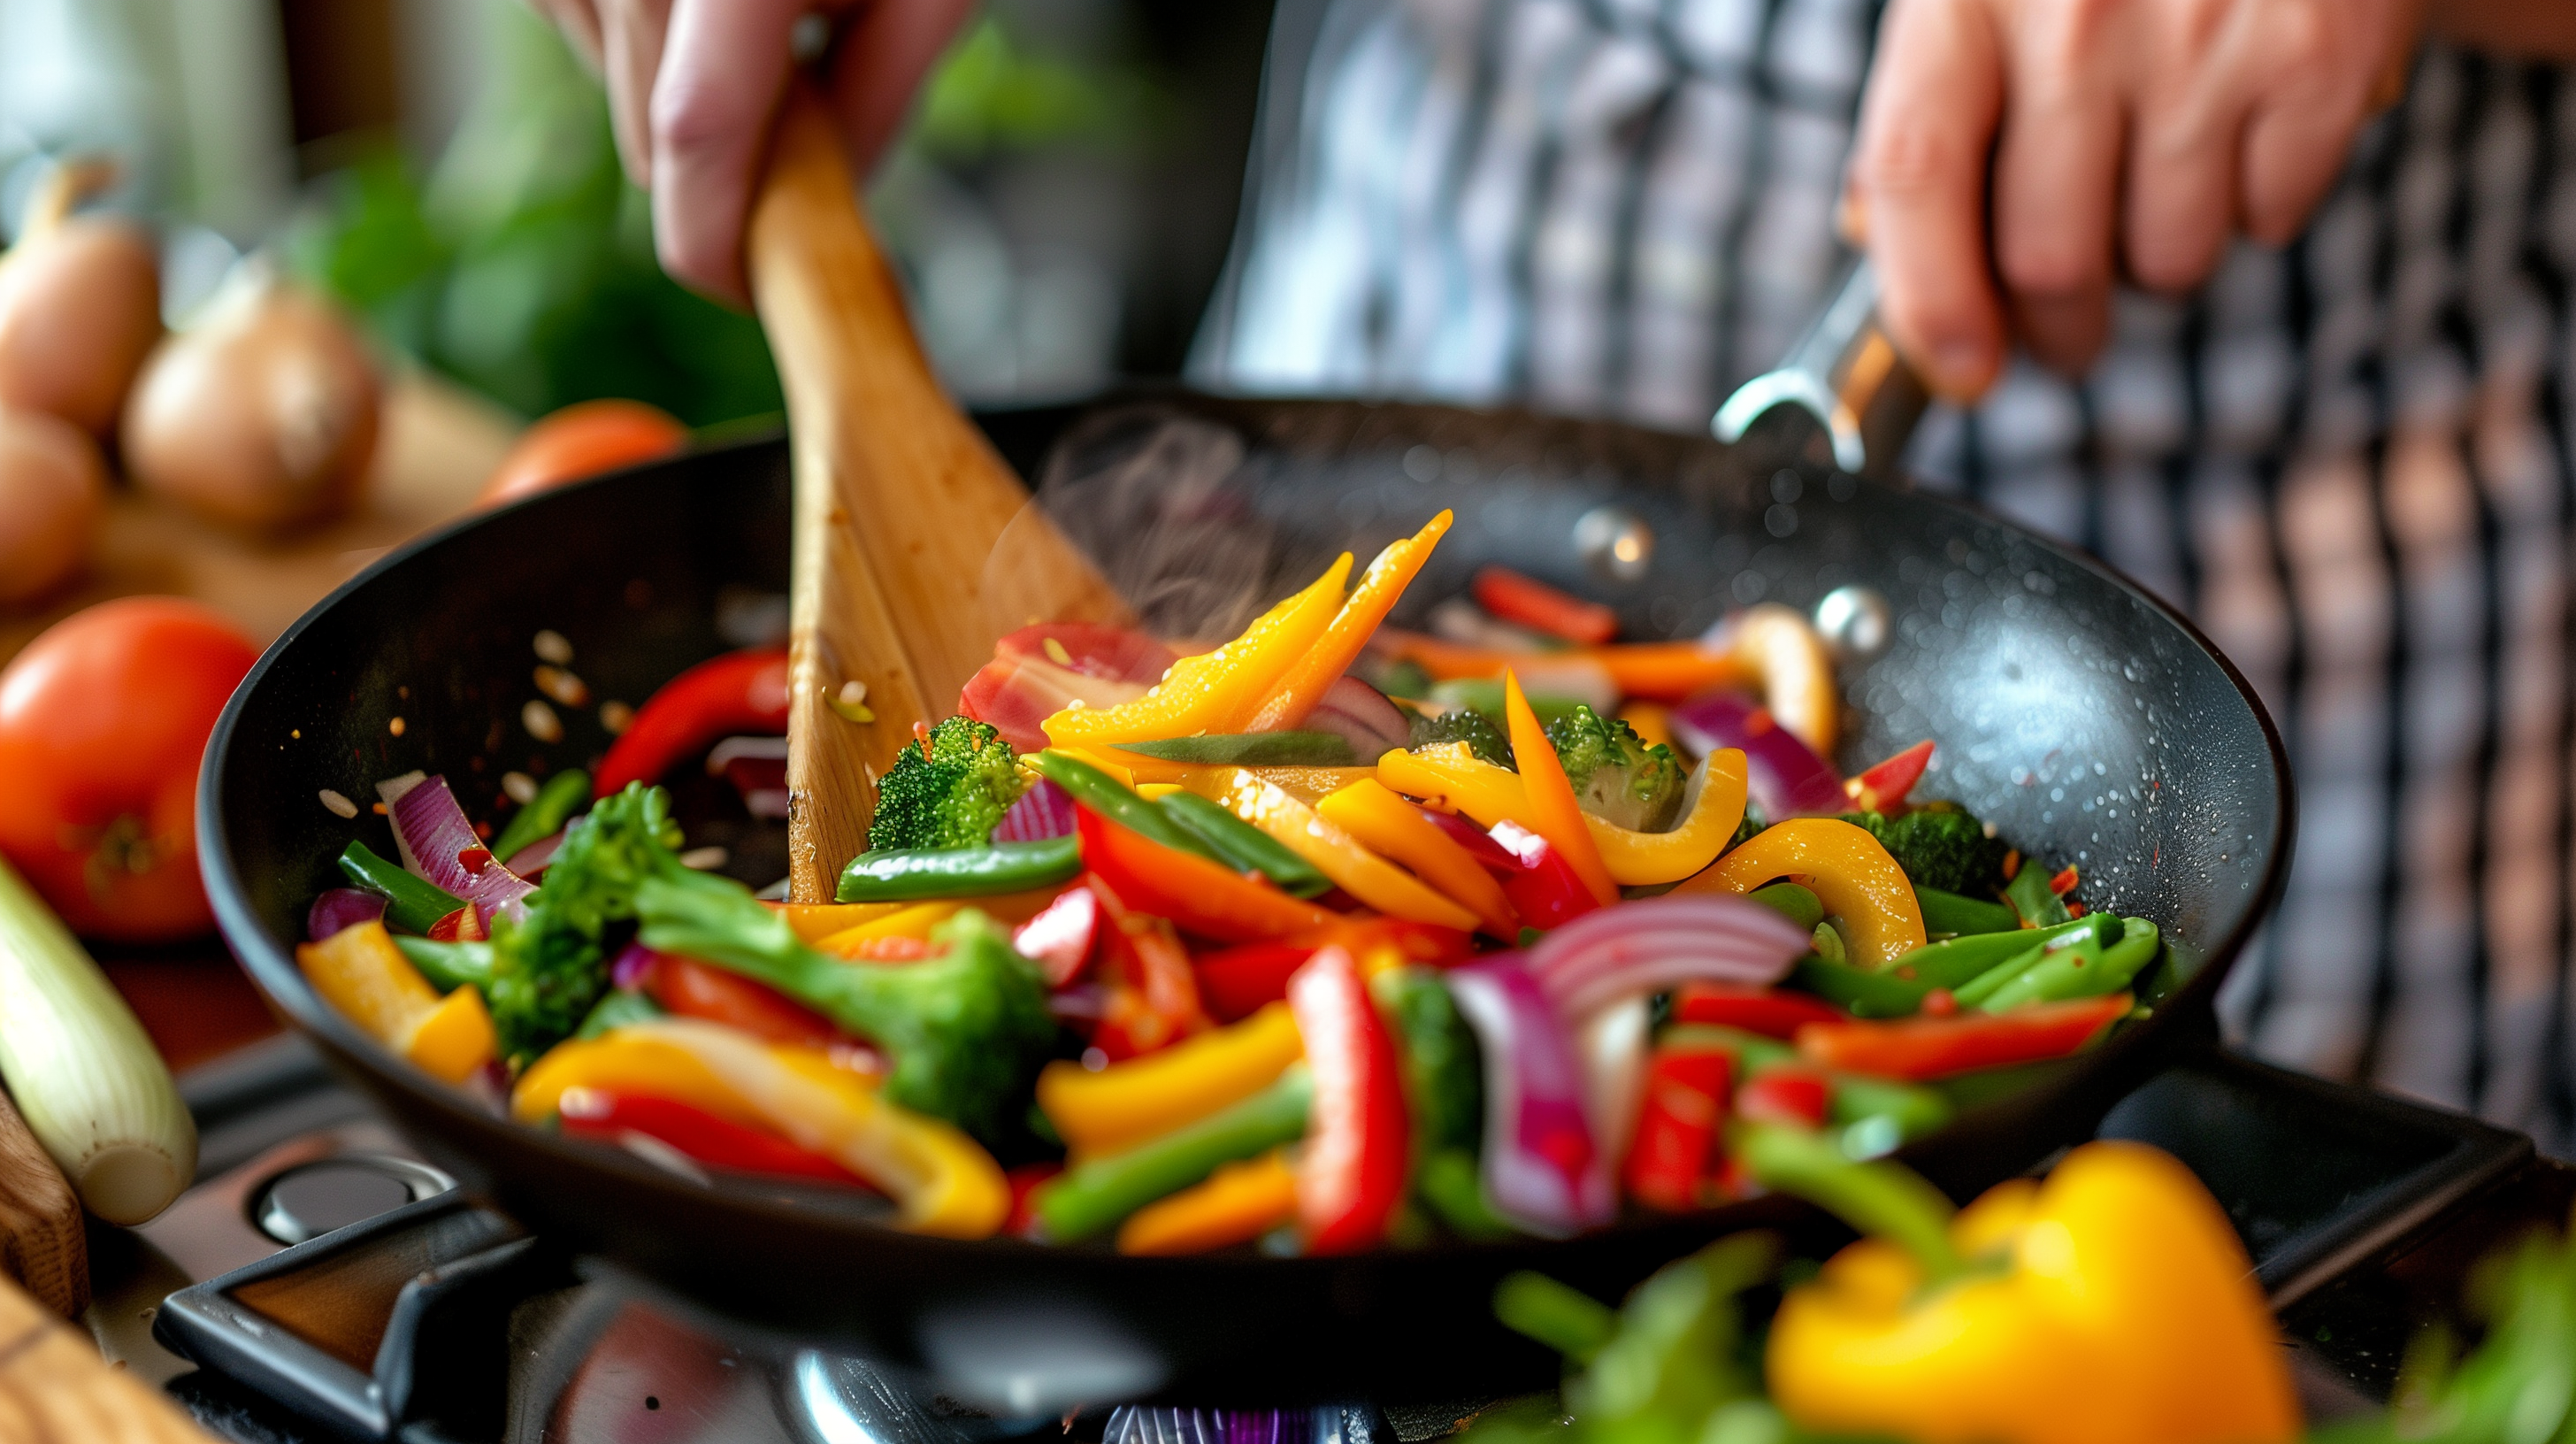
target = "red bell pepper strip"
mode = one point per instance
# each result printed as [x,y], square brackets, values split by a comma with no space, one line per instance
[693,989]
[465,925]
[739,692]
[1532,603]
[1884,787]
[1059,938]
[1547,892]
[1196,894]
[1684,1103]
[1785,1094]
[1153,996]
[1239,981]
[1924,1048]
[606,1114]
[1480,845]
[1755,1010]
[1025,1181]
[1359,1142]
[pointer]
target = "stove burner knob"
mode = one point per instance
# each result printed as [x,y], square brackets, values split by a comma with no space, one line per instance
[1615,543]
[312,1199]
[1856,622]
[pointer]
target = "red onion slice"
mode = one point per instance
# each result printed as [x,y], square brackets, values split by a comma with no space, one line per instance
[1044,811]
[1479,844]
[633,967]
[531,860]
[341,908]
[1541,1168]
[1786,779]
[1649,944]
[434,836]
[1360,715]
[1059,938]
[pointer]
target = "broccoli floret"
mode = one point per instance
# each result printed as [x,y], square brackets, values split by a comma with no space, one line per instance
[551,966]
[1463,724]
[951,796]
[1940,846]
[968,1029]
[1618,776]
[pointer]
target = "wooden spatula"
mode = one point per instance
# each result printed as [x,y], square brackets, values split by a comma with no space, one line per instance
[899,505]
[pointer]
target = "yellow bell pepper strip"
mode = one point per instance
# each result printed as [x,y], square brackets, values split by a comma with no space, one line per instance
[1296,693]
[1843,866]
[1090,1198]
[359,971]
[2110,1304]
[1652,720]
[1237,1204]
[1391,825]
[1779,645]
[912,920]
[1335,853]
[813,922]
[1216,691]
[1554,813]
[942,1182]
[1452,778]
[1107,1110]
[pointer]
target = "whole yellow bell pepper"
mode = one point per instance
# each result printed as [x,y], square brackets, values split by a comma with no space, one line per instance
[1452,777]
[1106,1110]
[360,972]
[2111,1304]
[942,1181]
[1215,691]
[1336,854]
[1848,871]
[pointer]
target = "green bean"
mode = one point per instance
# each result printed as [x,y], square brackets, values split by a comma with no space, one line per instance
[1118,802]
[448,966]
[1947,912]
[909,874]
[1252,749]
[564,794]
[1792,902]
[410,902]
[2092,933]
[1242,846]
[1097,1194]
[2086,970]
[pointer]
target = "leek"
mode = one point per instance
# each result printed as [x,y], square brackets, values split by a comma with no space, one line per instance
[88,1081]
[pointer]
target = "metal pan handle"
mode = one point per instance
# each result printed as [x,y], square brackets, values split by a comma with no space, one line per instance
[1846,373]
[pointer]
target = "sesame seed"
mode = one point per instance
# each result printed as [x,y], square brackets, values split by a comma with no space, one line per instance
[522,788]
[340,805]
[553,646]
[616,717]
[563,686]
[704,859]
[395,727]
[541,721]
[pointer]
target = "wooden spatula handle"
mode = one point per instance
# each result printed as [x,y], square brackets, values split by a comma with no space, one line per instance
[899,503]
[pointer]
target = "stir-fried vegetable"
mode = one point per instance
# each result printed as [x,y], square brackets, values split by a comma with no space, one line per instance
[948,789]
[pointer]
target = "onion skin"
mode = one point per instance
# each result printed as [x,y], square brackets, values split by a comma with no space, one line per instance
[53,487]
[80,306]
[263,417]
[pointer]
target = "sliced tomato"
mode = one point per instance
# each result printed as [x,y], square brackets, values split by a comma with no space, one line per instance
[1108,654]
[694,989]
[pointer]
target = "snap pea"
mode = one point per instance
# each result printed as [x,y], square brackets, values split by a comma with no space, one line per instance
[564,794]
[2086,970]
[908,874]
[2030,896]
[1792,902]
[1948,912]
[1252,749]
[1097,1194]
[410,902]
[1959,961]
[448,965]
[2092,933]
[1118,802]
[1858,991]
[1242,846]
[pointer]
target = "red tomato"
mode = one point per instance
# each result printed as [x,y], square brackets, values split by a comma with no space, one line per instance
[102,722]
[583,439]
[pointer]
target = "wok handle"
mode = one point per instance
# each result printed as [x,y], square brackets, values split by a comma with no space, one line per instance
[1847,374]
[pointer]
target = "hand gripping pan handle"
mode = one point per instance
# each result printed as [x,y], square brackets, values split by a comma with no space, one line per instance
[1846,373]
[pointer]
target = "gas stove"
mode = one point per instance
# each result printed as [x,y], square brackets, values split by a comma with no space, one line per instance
[323,1282]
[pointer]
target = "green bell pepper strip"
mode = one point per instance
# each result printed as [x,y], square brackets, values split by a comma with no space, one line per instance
[410,902]
[448,966]
[2091,933]
[1449,1182]
[1119,803]
[2030,897]
[1960,961]
[907,874]
[1252,749]
[2088,969]
[615,1009]
[1860,992]
[1792,902]
[1100,1193]
[564,794]
[1242,846]
[1948,912]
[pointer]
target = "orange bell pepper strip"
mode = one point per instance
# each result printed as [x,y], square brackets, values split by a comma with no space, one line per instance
[1777,644]
[1236,1204]
[361,973]
[1554,812]
[1109,1110]
[1197,895]
[1295,694]
[813,922]
[1216,691]
[1919,1049]
[1659,671]
[1844,867]
[1391,825]
[1335,853]
[1453,779]
[942,1181]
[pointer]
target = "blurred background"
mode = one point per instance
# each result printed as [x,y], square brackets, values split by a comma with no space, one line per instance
[1060,208]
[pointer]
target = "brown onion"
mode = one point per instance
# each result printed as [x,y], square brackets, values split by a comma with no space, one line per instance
[52,486]
[263,415]
[80,305]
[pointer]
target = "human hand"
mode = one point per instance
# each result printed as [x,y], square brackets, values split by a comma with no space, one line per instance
[692,85]
[2016,155]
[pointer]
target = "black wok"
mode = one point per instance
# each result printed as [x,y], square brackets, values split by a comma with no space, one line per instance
[2086,719]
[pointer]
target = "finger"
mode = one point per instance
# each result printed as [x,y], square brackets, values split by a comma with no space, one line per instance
[1927,125]
[2184,144]
[879,64]
[2056,180]
[2298,135]
[724,66]
[630,54]
[579,24]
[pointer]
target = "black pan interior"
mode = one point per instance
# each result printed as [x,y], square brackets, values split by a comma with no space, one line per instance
[2084,718]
